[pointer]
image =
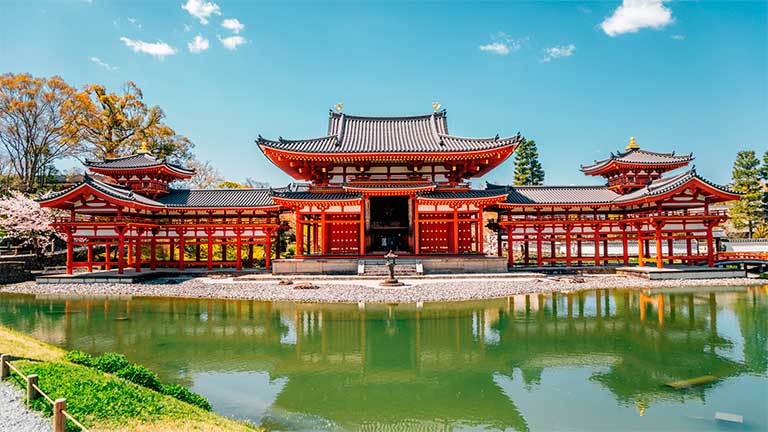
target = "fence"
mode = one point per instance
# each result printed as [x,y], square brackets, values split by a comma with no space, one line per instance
[60,414]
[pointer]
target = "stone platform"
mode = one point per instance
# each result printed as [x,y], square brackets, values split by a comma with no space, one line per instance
[681,272]
[433,265]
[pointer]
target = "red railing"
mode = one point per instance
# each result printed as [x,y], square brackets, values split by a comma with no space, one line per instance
[742,256]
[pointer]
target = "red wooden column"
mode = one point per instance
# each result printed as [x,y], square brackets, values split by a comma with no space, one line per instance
[539,246]
[455,248]
[625,244]
[416,226]
[120,249]
[209,234]
[324,228]
[480,231]
[180,232]
[70,249]
[90,256]
[153,250]
[510,249]
[268,251]
[107,253]
[710,244]
[239,250]
[361,244]
[670,250]
[299,234]
[596,233]
[137,263]
[568,228]
[657,235]
[640,242]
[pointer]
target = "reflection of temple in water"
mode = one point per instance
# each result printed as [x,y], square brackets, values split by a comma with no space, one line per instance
[401,366]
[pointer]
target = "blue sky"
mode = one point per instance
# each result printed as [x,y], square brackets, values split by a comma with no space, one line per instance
[580,78]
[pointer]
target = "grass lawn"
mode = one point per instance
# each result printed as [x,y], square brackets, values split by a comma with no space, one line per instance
[102,401]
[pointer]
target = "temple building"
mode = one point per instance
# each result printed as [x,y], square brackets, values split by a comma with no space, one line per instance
[375,184]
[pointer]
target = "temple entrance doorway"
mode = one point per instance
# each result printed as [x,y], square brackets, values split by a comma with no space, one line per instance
[390,224]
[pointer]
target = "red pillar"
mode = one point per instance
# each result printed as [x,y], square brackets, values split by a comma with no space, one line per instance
[268,251]
[239,250]
[153,251]
[659,253]
[480,232]
[510,248]
[209,232]
[596,233]
[120,250]
[539,257]
[90,256]
[70,250]
[640,251]
[107,253]
[710,245]
[299,234]
[180,232]
[527,250]
[670,250]
[138,251]
[625,244]
[324,227]
[361,244]
[455,248]
[568,245]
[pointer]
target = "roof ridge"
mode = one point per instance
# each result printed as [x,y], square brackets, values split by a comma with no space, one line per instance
[440,113]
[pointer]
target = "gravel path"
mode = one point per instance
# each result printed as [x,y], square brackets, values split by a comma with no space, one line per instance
[14,415]
[364,290]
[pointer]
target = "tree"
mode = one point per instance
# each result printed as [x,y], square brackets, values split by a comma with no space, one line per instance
[764,180]
[227,184]
[34,130]
[255,184]
[528,170]
[206,176]
[25,223]
[747,211]
[117,125]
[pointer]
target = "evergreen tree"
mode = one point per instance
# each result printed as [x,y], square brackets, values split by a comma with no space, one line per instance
[747,212]
[764,179]
[528,170]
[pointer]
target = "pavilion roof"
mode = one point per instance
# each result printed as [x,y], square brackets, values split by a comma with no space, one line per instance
[463,194]
[406,134]
[640,157]
[135,162]
[575,195]
[115,191]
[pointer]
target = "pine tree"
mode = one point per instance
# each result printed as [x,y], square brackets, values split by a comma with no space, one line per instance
[528,170]
[747,211]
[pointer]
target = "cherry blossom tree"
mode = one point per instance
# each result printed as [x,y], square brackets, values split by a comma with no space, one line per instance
[25,223]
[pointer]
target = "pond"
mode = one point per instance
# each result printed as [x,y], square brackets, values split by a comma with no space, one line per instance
[595,360]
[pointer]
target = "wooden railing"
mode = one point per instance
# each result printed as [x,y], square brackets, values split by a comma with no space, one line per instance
[60,414]
[742,256]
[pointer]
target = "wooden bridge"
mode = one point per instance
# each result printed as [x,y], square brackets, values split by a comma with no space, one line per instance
[759,259]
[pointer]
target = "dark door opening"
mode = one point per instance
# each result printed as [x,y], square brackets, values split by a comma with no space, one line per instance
[390,224]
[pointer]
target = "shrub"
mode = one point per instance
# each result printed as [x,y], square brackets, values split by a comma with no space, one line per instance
[111,362]
[79,357]
[184,395]
[142,376]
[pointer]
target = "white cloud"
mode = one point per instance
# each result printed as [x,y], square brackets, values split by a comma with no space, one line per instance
[157,49]
[135,22]
[496,48]
[187,28]
[678,37]
[559,51]
[231,43]
[198,44]
[634,15]
[201,9]
[233,24]
[503,44]
[104,65]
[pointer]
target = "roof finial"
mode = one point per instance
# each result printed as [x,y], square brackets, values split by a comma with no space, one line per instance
[632,144]
[436,106]
[144,149]
[339,106]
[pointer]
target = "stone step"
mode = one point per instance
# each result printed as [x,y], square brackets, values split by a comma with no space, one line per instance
[379,268]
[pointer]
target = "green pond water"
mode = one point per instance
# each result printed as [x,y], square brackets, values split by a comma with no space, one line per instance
[595,360]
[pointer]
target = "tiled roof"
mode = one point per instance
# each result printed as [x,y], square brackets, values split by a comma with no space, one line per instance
[414,134]
[664,185]
[313,196]
[597,194]
[136,161]
[116,191]
[465,194]
[642,157]
[560,195]
[213,198]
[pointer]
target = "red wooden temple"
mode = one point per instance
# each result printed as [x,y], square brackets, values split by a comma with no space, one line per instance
[374,184]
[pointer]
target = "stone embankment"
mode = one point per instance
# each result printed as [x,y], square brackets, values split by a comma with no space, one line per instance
[330,290]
